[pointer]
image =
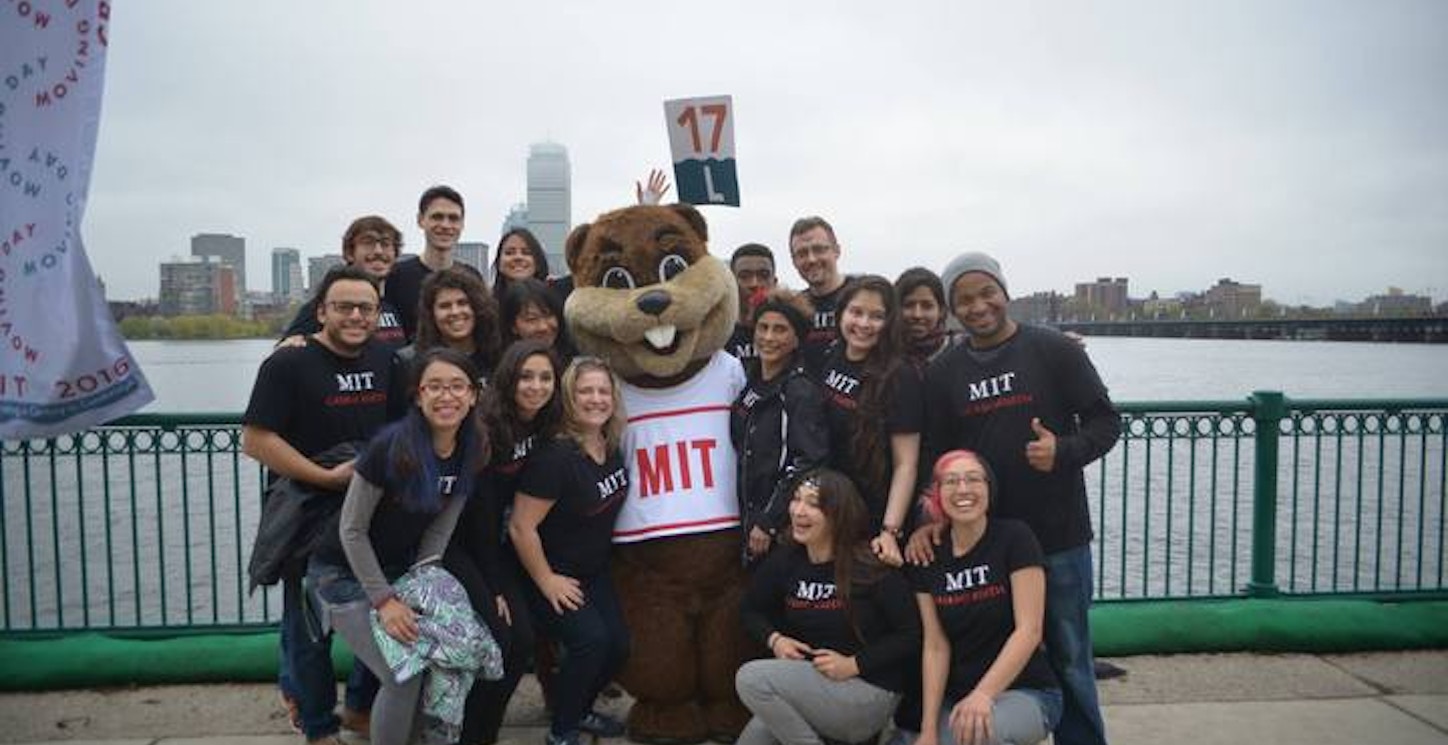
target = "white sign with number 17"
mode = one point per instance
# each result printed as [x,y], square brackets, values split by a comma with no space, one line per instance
[701,138]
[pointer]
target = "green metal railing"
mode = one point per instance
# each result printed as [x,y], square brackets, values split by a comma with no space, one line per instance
[147,523]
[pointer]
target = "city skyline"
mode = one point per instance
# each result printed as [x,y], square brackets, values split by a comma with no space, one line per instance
[1299,145]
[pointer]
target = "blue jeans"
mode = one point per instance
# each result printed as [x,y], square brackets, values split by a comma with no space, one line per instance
[305,671]
[1068,646]
[595,645]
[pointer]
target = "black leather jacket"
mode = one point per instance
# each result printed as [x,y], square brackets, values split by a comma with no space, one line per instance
[779,431]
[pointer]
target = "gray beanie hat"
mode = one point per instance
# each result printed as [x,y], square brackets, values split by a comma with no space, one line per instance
[971,261]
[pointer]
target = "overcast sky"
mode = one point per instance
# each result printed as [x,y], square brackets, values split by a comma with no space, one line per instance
[1299,145]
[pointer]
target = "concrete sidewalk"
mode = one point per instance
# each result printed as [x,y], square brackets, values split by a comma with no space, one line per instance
[1378,698]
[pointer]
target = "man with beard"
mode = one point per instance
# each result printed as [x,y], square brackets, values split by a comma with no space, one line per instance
[816,256]
[308,399]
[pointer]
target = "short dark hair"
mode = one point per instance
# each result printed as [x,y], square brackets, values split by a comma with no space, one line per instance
[440,192]
[751,249]
[916,277]
[370,224]
[344,272]
[806,224]
[524,293]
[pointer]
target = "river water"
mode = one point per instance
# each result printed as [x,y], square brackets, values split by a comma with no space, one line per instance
[216,376]
[154,529]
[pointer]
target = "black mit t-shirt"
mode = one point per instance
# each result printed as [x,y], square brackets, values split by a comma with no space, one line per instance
[797,598]
[825,329]
[972,595]
[404,288]
[578,532]
[842,381]
[741,343]
[316,399]
[984,400]
[396,528]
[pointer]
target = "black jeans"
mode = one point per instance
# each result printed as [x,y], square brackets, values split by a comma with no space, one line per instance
[595,646]
[488,699]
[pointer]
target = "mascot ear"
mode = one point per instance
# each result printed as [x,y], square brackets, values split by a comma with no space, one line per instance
[573,247]
[692,216]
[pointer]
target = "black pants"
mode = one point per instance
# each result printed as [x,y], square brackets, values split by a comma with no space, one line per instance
[595,646]
[488,700]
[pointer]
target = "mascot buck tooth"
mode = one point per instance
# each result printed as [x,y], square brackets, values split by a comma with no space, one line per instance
[650,299]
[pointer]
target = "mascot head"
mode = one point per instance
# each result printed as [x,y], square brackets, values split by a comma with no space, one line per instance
[647,295]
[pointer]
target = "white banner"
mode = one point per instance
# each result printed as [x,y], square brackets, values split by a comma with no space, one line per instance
[63,364]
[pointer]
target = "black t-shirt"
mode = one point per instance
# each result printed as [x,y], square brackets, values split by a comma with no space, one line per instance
[404,288]
[578,532]
[798,598]
[741,343]
[984,400]
[389,332]
[825,329]
[315,399]
[397,528]
[972,595]
[842,382]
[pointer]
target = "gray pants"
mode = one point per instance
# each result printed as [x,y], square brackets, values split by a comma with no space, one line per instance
[1017,718]
[394,711]
[795,705]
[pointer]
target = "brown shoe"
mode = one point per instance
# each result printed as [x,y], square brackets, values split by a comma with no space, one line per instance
[357,721]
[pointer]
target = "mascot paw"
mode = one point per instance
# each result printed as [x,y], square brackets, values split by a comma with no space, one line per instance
[667,724]
[726,719]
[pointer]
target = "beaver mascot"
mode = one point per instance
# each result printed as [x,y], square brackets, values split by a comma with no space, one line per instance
[649,298]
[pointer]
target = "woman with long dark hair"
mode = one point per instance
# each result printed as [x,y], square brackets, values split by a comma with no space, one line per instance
[777,422]
[874,408]
[532,310]
[569,495]
[519,409]
[519,257]
[840,625]
[982,598]
[454,310]
[408,489]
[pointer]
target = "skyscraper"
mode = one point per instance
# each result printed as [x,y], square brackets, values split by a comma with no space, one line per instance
[286,272]
[550,201]
[230,249]
[199,286]
[474,255]
[317,267]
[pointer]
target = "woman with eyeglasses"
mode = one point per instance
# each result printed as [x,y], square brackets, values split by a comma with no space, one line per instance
[454,311]
[409,486]
[982,597]
[874,409]
[520,410]
[570,493]
[840,625]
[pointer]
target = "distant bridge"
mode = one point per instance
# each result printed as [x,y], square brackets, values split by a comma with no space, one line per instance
[1432,330]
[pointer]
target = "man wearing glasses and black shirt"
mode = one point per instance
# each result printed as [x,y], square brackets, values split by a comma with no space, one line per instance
[816,256]
[309,398]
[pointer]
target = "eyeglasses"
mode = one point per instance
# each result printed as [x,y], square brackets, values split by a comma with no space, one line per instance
[457,388]
[818,249]
[347,307]
[372,241]
[953,481]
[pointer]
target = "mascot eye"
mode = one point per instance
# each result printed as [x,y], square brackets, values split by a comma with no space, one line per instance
[617,278]
[672,266]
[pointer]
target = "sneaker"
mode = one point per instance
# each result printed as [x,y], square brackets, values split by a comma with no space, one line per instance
[601,725]
[331,739]
[293,710]
[568,738]
[357,721]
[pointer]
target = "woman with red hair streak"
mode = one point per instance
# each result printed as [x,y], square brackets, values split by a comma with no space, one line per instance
[984,675]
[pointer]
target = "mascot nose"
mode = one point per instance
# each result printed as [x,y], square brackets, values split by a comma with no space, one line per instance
[653,302]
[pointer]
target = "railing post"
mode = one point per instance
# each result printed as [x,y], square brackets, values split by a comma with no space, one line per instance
[1268,409]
